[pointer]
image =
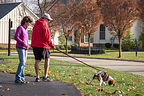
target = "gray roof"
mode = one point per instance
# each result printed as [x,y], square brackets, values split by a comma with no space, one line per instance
[6,8]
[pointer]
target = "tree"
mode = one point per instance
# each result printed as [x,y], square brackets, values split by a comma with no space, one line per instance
[88,16]
[141,8]
[62,14]
[119,16]
[45,5]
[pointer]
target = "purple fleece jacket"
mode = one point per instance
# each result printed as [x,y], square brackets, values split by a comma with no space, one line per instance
[21,36]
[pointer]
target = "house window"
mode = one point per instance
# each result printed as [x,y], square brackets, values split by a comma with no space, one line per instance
[69,38]
[102,32]
[84,39]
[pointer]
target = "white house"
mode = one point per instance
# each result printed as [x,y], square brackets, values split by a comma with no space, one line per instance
[103,35]
[15,12]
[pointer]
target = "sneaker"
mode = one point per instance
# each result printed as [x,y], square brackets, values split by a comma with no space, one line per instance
[18,82]
[47,79]
[37,80]
[21,82]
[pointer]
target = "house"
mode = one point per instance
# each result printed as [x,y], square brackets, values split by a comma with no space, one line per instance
[15,12]
[103,35]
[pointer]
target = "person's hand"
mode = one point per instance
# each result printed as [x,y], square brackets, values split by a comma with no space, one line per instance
[54,47]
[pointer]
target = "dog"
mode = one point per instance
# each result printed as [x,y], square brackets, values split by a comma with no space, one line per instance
[102,76]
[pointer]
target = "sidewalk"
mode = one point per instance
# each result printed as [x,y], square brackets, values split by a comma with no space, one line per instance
[55,88]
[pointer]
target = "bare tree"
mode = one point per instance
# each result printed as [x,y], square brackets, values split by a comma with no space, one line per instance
[44,5]
[119,16]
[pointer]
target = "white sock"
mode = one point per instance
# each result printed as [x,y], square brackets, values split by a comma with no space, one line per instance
[37,77]
[45,76]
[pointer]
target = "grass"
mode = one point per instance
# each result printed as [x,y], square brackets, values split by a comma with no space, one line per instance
[127,84]
[129,55]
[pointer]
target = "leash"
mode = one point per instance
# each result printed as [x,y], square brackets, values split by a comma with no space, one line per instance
[78,60]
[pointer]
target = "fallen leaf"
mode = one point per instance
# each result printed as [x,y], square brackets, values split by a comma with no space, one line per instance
[100,89]
[49,72]
[111,92]
[123,79]
[87,82]
[7,89]
[33,84]
[3,90]
[138,95]
[63,94]
[89,94]
[76,73]
[4,71]
[1,95]
[82,82]
[1,86]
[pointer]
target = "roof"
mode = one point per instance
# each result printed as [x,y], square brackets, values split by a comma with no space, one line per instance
[6,8]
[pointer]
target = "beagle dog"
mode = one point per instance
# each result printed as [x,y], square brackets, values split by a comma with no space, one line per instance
[102,76]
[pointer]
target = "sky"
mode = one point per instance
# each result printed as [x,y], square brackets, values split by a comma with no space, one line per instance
[30,4]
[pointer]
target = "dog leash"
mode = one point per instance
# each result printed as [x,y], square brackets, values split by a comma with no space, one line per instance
[78,60]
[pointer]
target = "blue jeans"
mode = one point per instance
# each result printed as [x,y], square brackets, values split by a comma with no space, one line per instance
[22,62]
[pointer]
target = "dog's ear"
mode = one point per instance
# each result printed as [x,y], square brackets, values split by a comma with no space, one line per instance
[111,82]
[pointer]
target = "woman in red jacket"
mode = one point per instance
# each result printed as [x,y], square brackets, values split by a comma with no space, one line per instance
[41,42]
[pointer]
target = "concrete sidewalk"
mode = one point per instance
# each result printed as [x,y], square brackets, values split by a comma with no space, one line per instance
[54,88]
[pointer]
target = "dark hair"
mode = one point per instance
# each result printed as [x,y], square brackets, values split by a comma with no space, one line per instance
[26,19]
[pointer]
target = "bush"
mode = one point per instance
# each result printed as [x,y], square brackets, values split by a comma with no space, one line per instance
[84,50]
[63,47]
[128,42]
[108,45]
[116,46]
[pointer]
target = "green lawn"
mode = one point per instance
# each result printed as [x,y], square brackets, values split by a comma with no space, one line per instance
[111,54]
[79,75]
[130,55]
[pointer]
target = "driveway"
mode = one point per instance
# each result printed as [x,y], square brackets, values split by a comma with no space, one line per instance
[123,66]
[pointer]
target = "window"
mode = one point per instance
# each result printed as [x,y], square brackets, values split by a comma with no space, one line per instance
[69,38]
[84,39]
[102,32]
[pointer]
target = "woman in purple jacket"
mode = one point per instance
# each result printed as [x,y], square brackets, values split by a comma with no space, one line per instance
[21,36]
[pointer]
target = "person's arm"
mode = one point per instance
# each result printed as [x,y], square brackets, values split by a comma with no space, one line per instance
[47,37]
[17,35]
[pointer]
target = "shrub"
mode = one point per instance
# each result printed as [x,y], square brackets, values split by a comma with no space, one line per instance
[108,45]
[116,46]
[84,50]
[128,42]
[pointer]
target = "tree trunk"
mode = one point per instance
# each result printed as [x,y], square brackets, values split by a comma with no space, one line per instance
[66,45]
[89,44]
[120,42]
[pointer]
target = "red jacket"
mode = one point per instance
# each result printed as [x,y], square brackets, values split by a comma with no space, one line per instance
[40,35]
